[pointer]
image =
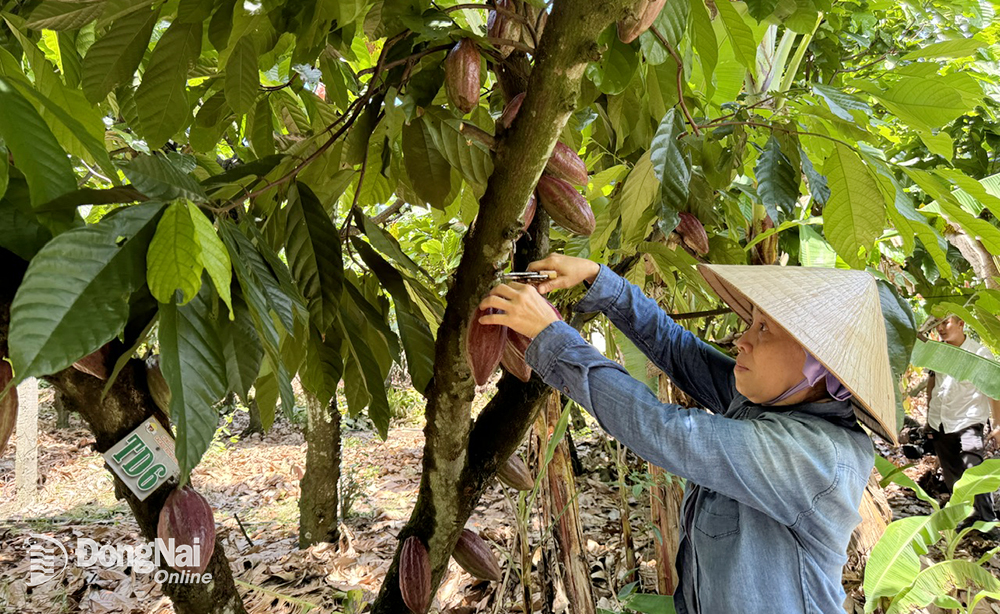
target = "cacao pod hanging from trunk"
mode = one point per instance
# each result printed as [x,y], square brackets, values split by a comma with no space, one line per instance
[565,164]
[474,556]
[693,233]
[461,75]
[529,211]
[501,25]
[415,575]
[514,473]
[158,387]
[510,111]
[640,16]
[187,518]
[95,363]
[484,345]
[513,355]
[8,405]
[766,250]
[565,205]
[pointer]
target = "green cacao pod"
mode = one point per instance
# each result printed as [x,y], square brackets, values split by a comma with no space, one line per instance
[8,405]
[565,164]
[158,387]
[415,575]
[565,205]
[514,473]
[693,233]
[500,25]
[484,346]
[641,15]
[186,517]
[510,111]
[474,556]
[461,75]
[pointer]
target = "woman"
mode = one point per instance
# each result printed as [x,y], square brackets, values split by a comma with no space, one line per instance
[776,472]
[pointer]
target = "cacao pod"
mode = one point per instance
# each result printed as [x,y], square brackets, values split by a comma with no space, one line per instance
[766,250]
[514,473]
[187,518]
[158,387]
[95,363]
[484,346]
[500,25]
[8,405]
[691,230]
[461,75]
[513,355]
[510,111]
[565,205]
[415,575]
[640,17]
[474,556]
[565,164]
[529,211]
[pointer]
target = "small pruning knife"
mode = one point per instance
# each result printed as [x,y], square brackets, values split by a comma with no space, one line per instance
[528,277]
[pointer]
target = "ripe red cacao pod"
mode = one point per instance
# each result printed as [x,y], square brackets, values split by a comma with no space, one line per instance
[514,473]
[484,345]
[415,575]
[565,205]
[95,363]
[8,405]
[474,556]
[158,387]
[510,111]
[513,355]
[500,25]
[187,518]
[640,17]
[529,211]
[461,75]
[693,232]
[565,164]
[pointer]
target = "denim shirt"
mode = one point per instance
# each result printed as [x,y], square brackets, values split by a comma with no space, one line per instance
[772,493]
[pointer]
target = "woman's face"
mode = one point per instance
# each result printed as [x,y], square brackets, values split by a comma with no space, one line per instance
[770,361]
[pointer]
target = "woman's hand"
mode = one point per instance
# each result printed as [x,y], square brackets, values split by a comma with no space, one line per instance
[524,309]
[569,271]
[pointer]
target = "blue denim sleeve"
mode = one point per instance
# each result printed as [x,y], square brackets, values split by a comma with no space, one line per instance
[701,371]
[776,463]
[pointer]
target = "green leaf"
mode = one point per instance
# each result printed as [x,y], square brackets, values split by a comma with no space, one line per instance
[958,48]
[668,260]
[948,204]
[20,231]
[983,478]
[814,251]
[893,474]
[614,71]
[900,327]
[74,297]
[855,213]
[841,103]
[242,348]
[388,245]
[930,101]
[941,579]
[324,365]
[760,9]
[639,192]
[705,41]
[242,80]
[213,255]
[777,180]
[416,335]
[816,182]
[173,260]
[374,316]
[115,56]
[360,354]
[161,99]
[893,564]
[57,15]
[44,163]
[262,130]
[313,250]
[428,170]
[744,44]
[960,364]
[467,156]
[4,170]
[157,178]
[670,164]
[193,363]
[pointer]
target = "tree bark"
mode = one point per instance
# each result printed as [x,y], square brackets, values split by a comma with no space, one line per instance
[318,501]
[454,471]
[126,405]
[62,416]
[665,508]
[255,425]
[565,514]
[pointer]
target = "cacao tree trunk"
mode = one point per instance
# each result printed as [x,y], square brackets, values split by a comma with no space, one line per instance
[565,513]
[125,406]
[318,501]
[255,426]
[458,461]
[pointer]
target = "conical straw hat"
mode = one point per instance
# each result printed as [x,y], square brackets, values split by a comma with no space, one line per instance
[835,314]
